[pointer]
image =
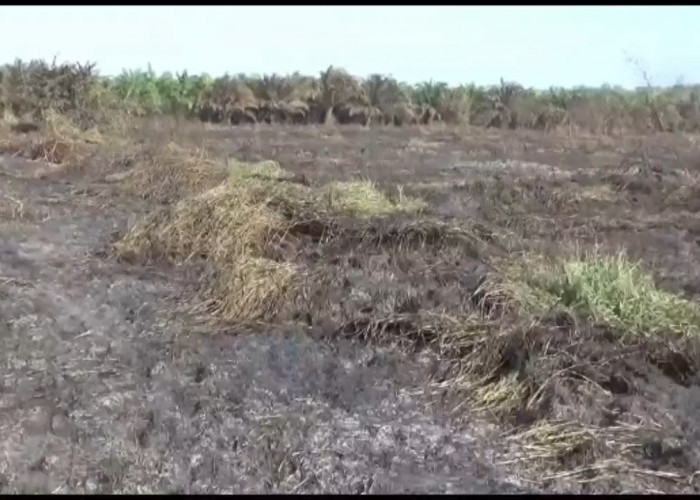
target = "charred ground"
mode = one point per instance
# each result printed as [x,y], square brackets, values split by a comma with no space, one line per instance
[404,358]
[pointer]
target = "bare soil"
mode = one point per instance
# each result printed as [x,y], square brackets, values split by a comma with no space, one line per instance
[108,386]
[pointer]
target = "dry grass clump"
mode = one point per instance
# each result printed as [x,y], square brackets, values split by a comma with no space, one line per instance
[230,232]
[216,225]
[360,199]
[58,141]
[363,199]
[241,225]
[63,143]
[234,218]
[266,183]
[251,289]
[171,173]
[60,127]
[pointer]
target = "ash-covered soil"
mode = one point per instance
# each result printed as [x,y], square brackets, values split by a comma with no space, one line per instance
[108,386]
[106,389]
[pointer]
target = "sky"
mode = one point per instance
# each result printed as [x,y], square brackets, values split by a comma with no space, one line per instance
[535,46]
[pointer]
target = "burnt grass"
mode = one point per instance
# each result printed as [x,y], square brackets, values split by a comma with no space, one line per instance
[111,383]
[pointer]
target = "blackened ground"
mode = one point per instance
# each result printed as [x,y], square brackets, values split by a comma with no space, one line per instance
[106,389]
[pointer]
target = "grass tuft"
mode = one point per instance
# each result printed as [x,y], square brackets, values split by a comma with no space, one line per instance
[608,290]
[363,199]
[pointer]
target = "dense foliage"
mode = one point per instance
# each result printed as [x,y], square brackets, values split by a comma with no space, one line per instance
[29,89]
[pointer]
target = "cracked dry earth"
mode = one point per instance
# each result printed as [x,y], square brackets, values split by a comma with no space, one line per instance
[103,391]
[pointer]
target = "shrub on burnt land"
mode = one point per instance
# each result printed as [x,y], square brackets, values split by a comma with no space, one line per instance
[30,90]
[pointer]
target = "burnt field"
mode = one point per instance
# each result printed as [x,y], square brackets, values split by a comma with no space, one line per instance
[193,308]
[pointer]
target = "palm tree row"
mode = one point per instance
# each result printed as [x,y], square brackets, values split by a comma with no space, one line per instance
[335,95]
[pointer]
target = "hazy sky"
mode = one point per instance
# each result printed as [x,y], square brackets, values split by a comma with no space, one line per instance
[536,46]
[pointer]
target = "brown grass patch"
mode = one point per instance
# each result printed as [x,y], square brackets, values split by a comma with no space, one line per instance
[245,226]
[251,289]
[58,142]
[215,225]
[230,226]
[171,173]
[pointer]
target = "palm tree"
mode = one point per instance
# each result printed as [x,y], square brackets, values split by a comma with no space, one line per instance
[336,87]
[299,91]
[228,98]
[430,98]
[501,99]
[382,98]
[456,104]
